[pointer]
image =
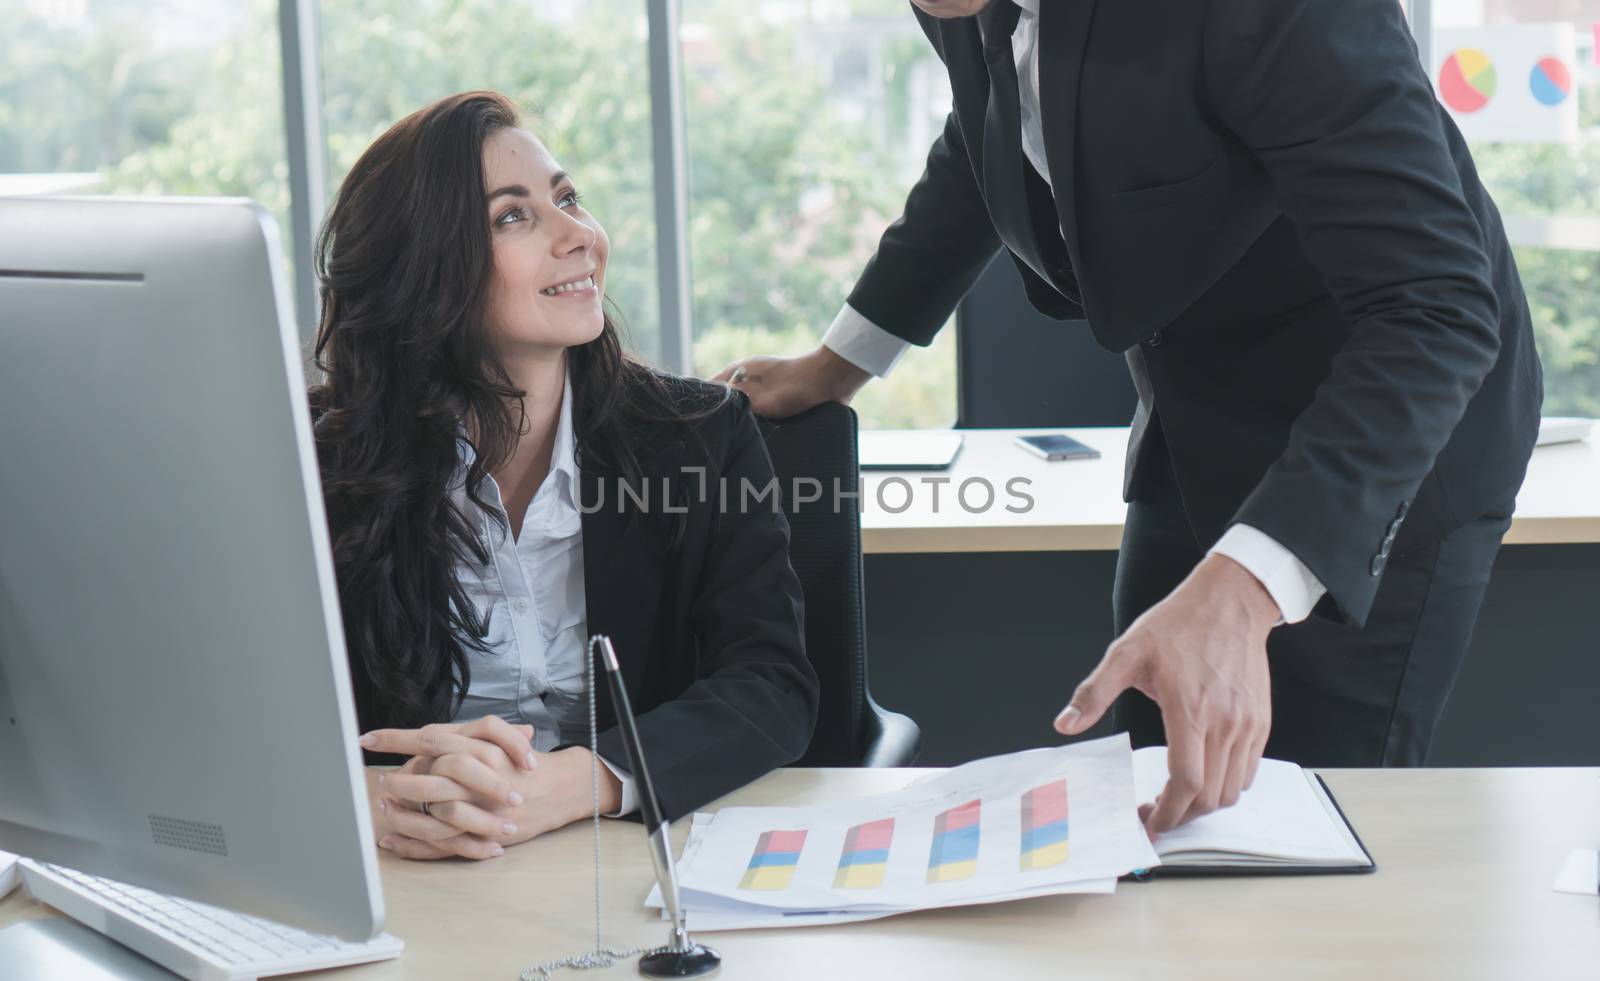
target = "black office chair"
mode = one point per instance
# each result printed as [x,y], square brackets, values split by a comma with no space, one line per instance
[1018,369]
[852,729]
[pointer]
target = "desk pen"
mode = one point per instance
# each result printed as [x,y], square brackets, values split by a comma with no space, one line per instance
[682,957]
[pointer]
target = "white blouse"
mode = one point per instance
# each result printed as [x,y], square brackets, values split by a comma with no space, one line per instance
[531,595]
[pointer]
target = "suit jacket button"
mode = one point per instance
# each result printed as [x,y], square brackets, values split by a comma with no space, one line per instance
[1154,340]
[1378,562]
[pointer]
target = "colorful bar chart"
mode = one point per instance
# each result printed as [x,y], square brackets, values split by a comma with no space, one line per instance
[865,855]
[772,865]
[954,855]
[1044,826]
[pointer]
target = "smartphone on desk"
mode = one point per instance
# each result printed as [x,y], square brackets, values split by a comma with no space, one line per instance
[1057,446]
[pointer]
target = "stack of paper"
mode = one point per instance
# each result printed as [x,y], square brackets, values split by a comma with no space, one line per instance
[1042,822]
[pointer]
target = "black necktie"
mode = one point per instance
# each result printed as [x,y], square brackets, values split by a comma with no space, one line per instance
[1002,130]
[998,22]
[1006,175]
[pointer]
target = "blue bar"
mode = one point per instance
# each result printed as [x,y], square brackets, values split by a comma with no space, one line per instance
[1045,834]
[872,856]
[960,845]
[774,858]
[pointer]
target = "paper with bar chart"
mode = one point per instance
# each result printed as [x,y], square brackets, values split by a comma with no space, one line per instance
[991,830]
[713,913]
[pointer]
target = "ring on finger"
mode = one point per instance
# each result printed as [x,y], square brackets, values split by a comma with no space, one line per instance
[425,809]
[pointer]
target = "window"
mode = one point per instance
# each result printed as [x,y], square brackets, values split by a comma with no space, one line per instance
[177,97]
[577,67]
[807,122]
[1520,79]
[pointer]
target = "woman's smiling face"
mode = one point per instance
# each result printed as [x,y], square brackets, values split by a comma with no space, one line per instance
[549,254]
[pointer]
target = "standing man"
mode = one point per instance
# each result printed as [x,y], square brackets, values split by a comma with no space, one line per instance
[1263,205]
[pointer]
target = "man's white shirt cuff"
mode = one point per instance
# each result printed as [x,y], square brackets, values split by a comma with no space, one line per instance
[1292,586]
[630,803]
[863,343]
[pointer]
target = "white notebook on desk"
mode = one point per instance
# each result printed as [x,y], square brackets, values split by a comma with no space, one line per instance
[1563,429]
[899,449]
[1286,822]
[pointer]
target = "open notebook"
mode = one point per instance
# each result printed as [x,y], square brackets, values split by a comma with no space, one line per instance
[1287,822]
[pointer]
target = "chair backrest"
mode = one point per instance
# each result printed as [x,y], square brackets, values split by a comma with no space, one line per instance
[820,445]
[1020,369]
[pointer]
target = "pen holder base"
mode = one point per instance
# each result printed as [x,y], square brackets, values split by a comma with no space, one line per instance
[693,961]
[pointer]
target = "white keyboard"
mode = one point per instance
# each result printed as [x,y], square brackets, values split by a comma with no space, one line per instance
[193,940]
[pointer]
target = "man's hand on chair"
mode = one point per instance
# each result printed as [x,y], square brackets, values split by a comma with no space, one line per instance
[784,387]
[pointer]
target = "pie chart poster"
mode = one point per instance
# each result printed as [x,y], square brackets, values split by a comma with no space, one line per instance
[1511,83]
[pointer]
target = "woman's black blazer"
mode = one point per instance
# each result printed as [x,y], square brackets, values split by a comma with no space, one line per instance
[695,590]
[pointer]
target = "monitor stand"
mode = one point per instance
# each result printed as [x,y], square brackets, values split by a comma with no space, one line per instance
[54,947]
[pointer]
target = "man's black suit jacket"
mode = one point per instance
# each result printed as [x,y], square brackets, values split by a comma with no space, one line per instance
[702,605]
[1264,205]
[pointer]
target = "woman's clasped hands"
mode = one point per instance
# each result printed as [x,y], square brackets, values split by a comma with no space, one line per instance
[472,789]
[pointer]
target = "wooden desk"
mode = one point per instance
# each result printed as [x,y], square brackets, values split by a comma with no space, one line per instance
[1466,859]
[1077,504]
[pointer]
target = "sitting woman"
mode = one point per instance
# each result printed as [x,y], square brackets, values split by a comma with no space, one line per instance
[502,481]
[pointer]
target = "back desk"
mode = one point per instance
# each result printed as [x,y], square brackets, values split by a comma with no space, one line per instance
[1077,504]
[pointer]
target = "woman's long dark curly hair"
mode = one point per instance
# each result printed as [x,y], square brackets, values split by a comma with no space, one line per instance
[404,260]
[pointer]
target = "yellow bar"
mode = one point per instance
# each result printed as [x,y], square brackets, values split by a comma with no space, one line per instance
[952,871]
[860,876]
[767,877]
[1046,857]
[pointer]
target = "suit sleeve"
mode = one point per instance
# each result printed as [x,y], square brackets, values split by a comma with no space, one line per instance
[1331,99]
[754,706]
[931,255]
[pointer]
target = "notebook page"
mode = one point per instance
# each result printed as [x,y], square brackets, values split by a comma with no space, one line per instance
[1278,817]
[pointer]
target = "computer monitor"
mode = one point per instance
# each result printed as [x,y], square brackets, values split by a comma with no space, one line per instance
[175,704]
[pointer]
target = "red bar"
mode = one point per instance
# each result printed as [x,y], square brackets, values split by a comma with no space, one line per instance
[782,841]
